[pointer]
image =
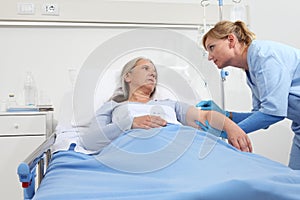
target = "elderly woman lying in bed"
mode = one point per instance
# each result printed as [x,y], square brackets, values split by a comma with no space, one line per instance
[132,107]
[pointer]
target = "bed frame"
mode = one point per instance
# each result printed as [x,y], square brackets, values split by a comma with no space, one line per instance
[34,167]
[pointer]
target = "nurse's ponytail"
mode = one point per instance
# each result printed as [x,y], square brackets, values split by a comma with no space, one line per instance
[243,33]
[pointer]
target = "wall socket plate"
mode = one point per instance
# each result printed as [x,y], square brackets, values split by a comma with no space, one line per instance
[50,9]
[26,8]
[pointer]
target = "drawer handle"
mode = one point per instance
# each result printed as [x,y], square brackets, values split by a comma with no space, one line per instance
[16,126]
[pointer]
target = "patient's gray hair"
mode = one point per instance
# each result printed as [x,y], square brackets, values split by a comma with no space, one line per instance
[121,93]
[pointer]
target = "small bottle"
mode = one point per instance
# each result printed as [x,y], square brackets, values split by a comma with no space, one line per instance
[30,90]
[12,100]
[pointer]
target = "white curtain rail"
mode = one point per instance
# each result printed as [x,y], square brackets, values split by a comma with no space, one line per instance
[13,23]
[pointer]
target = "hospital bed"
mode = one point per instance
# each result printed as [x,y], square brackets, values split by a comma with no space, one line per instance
[176,163]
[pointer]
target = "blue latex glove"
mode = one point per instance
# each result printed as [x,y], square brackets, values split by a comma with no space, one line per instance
[211,130]
[211,105]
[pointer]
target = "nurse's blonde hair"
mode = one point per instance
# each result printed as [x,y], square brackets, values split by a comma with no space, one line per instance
[223,28]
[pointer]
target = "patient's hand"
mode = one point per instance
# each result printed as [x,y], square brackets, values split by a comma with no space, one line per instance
[240,140]
[148,121]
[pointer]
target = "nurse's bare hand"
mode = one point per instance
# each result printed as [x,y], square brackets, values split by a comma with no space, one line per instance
[240,141]
[148,121]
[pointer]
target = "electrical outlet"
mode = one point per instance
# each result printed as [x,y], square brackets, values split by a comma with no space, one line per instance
[50,9]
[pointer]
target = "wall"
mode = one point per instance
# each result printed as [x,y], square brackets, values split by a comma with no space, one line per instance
[112,11]
[49,45]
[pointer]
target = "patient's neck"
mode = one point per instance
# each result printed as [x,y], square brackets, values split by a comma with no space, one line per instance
[139,97]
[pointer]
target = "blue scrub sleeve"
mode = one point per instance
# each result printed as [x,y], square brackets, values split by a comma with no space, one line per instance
[238,117]
[258,120]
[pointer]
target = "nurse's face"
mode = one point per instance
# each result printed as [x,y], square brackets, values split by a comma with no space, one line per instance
[219,51]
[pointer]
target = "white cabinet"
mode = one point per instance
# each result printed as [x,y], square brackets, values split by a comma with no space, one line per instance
[20,134]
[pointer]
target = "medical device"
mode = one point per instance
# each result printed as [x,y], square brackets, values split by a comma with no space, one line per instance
[202,28]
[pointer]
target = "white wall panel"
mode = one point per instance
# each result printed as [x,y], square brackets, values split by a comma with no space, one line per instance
[96,11]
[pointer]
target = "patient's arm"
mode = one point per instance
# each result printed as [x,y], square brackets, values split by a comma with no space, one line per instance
[104,127]
[236,136]
[102,130]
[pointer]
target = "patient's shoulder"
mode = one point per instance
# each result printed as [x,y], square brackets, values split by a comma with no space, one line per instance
[107,107]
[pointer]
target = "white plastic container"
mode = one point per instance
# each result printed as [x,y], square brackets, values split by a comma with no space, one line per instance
[30,90]
[12,100]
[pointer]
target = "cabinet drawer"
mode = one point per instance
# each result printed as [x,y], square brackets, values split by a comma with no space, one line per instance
[23,125]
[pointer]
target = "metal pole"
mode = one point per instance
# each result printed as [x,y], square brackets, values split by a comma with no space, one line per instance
[220,10]
[223,73]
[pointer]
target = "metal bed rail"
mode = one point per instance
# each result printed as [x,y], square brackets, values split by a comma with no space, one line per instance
[38,159]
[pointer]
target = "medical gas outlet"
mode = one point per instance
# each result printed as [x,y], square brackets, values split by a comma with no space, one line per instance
[50,9]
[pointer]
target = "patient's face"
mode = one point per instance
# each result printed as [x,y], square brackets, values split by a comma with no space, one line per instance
[142,76]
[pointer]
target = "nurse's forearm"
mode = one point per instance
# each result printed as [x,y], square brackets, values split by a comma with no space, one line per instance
[258,120]
[238,117]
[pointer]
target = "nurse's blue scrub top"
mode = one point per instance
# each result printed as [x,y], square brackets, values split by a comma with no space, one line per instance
[274,78]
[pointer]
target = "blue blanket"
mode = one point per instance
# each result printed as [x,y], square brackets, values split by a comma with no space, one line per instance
[170,163]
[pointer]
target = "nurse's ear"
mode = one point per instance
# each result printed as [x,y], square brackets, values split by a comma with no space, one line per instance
[232,40]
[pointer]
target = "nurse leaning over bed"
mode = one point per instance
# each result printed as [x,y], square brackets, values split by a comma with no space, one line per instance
[273,75]
[132,106]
